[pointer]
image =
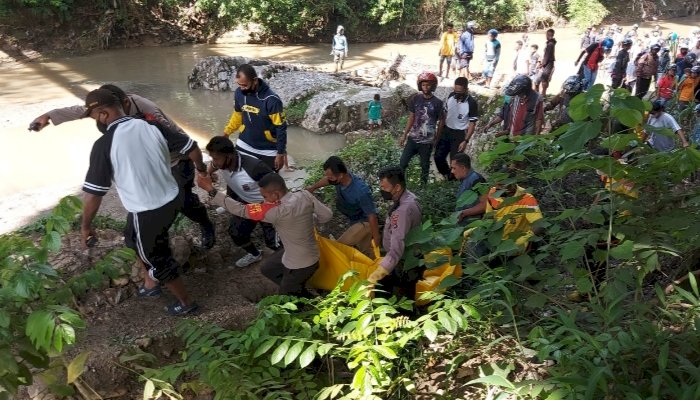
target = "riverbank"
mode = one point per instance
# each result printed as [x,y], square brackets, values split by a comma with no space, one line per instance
[44,166]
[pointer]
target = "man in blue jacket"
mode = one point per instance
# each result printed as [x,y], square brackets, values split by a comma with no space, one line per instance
[258,115]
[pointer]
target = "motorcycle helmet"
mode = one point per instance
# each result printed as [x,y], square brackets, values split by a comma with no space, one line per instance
[493,32]
[607,43]
[520,85]
[427,77]
[573,85]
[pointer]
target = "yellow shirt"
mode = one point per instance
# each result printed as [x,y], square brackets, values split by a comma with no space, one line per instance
[447,43]
[518,216]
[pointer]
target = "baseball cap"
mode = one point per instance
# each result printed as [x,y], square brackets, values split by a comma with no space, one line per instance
[99,98]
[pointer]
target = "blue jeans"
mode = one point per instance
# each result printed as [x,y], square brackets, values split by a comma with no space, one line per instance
[589,76]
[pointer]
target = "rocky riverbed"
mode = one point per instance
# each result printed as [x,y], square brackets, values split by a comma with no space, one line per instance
[324,102]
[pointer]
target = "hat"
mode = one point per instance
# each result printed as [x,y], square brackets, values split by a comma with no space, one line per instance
[697,108]
[99,98]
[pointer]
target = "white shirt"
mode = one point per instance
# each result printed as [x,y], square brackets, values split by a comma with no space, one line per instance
[663,142]
[458,112]
[521,62]
[243,185]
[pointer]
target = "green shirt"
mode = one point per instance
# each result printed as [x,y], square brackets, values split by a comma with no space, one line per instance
[375,110]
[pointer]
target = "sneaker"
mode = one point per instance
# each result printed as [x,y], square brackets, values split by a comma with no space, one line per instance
[152,292]
[247,260]
[177,309]
[208,237]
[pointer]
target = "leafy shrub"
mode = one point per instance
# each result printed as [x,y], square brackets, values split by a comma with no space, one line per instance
[607,244]
[348,344]
[36,321]
[585,13]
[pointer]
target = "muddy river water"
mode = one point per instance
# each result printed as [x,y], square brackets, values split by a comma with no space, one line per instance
[39,168]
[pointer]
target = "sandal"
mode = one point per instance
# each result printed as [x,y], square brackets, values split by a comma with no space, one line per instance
[177,309]
[146,292]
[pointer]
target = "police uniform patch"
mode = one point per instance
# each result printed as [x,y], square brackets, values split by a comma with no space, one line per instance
[257,212]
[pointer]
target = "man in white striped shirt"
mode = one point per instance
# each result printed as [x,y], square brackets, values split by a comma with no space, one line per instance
[135,155]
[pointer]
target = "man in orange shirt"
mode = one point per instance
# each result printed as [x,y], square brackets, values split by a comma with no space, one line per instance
[687,86]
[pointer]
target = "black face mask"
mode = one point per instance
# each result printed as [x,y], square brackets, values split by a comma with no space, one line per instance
[460,96]
[102,127]
[334,183]
[386,195]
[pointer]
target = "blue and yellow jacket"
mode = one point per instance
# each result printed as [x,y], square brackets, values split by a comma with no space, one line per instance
[259,118]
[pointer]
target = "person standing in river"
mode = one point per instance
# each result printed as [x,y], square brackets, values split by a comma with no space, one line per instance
[258,115]
[339,48]
[182,167]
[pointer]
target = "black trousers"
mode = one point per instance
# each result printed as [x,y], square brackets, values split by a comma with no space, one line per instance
[423,150]
[193,208]
[146,233]
[240,230]
[290,281]
[448,144]
[617,81]
[642,87]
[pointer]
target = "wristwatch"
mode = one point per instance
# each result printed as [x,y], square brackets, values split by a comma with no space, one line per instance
[213,192]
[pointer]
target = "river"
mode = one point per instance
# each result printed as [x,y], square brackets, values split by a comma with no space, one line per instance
[39,168]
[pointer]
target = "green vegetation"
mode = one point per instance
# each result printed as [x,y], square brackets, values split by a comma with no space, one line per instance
[296,109]
[37,321]
[297,349]
[511,325]
[510,312]
[585,13]
[298,21]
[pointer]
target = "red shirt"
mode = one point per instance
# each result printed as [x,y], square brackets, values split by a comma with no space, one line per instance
[666,86]
[595,57]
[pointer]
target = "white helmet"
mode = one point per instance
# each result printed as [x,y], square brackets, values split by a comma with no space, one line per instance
[471,24]
[340,29]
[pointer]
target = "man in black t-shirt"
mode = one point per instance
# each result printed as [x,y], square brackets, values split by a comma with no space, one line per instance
[424,121]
